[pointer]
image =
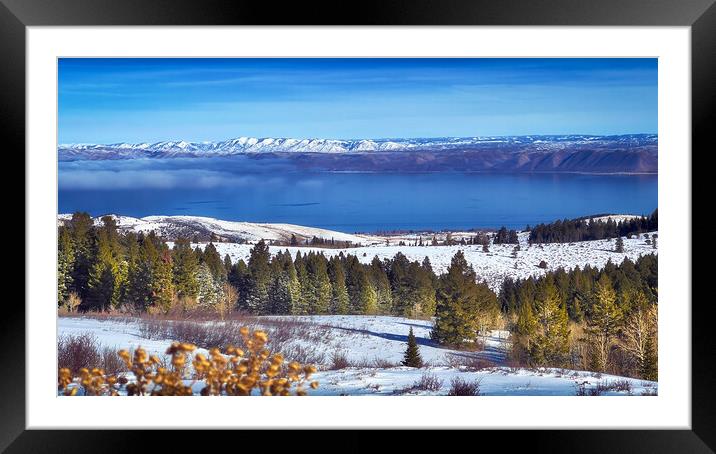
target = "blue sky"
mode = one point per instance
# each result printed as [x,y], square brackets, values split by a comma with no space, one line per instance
[138,100]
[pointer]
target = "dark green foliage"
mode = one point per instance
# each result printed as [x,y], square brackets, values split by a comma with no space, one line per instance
[619,245]
[503,236]
[584,229]
[256,299]
[186,269]
[412,356]
[463,305]
[337,274]
[213,260]
[65,263]
[110,270]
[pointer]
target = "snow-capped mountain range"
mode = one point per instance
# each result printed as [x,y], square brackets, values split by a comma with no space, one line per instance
[249,145]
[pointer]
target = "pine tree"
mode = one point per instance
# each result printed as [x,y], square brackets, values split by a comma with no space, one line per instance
[83,238]
[380,282]
[318,291]
[412,356]
[650,366]
[259,278]
[368,296]
[619,245]
[209,287]
[424,292]
[107,274]
[550,345]
[185,270]
[461,303]
[300,306]
[65,264]
[603,323]
[215,264]
[162,280]
[339,298]
[524,332]
[279,290]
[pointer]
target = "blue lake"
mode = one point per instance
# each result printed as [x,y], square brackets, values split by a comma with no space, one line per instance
[228,188]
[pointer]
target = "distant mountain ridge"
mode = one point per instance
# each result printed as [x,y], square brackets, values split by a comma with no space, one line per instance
[631,153]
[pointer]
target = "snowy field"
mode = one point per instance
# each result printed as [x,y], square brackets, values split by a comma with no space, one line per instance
[493,266]
[374,346]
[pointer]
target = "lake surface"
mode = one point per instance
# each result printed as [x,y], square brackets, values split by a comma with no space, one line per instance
[228,188]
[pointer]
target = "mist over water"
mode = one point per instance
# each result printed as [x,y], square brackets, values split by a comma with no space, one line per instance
[272,190]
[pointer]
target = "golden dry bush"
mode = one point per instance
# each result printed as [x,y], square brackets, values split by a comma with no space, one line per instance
[235,372]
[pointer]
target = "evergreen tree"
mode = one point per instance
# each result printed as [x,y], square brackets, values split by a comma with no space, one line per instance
[216,265]
[412,356]
[259,279]
[368,303]
[603,323]
[400,286]
[424,291]
[65,263]
[209,287]
[380,282]
[185,270]
[460,304]
[300,307]
[619,245]
[83,238]
[524,333]
[550,345]
[339,298]
[162,286]
[107,273]
[318,291]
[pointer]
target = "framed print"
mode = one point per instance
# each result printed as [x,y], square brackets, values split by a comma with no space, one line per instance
[411,217]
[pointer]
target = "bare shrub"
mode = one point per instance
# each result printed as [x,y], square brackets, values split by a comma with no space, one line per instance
[301,354]
[428,382]
[153,328]
[382,363]
[650,392]
[77,352]
[84,351]
[471,363]
[622,385]
[206,334]
[112,364]
[460,387]
[339,360]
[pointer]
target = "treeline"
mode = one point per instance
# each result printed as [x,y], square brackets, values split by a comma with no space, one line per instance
[600,320]
[101,269]
[567,231]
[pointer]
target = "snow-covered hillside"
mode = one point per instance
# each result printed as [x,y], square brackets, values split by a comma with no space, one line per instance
[237,238]
[492,266]
[373,347]
[170,227]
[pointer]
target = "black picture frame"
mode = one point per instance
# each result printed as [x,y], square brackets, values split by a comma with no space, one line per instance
[700,15]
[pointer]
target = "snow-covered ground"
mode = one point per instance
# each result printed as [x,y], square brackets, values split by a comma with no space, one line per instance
[172,226]
[492,267]
[374,345]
